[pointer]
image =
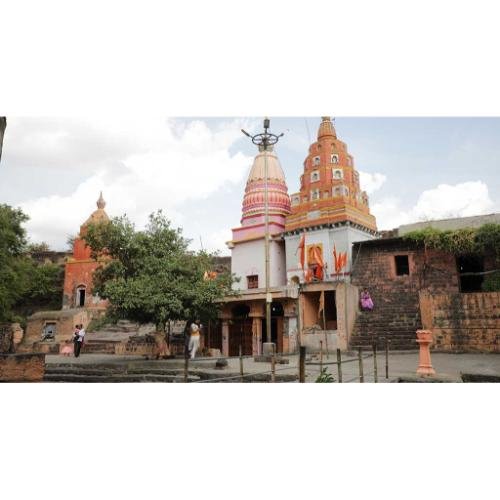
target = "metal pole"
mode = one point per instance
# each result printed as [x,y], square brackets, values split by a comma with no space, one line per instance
[266,244]
[320,356]
[241,363]
[386,359]
[302,364]
[186,366]
[273,365]
[339,365]
[375,375]
[360,358]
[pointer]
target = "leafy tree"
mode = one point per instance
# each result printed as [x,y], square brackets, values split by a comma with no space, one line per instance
[25,285]
[38,247]
[150,276]
[12,245]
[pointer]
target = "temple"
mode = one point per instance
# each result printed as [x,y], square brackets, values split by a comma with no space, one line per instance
[329,213]
[311,236]
[80,267]
[47,330]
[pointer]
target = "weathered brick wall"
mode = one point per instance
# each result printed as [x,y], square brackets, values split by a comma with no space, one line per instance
[22,367]
[463,321]
[397,308]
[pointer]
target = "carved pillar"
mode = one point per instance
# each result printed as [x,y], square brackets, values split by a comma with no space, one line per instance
[225,337]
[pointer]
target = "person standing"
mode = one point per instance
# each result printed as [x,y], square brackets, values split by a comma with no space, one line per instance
[194,339]
[80,337]
[76,341]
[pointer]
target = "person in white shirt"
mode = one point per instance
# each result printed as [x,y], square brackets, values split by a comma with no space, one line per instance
[78,339]
[194,339]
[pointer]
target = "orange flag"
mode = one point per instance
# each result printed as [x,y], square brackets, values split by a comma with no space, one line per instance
[301,250]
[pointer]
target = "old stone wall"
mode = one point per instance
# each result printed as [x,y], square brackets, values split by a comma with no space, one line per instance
[397,309]
[22,367]
[462,321]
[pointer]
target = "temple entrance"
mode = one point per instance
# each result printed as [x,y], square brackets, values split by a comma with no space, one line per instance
[80,296]
[277,315]
[240,331]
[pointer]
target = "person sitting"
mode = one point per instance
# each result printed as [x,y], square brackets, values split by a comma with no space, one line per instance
[366,300]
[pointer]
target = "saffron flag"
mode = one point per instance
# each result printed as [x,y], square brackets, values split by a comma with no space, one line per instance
[301,250]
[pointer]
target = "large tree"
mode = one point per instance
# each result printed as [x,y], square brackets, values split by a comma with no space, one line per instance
[25,285]
[150,275]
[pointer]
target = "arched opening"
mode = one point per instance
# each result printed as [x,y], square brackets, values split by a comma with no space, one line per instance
[81,292]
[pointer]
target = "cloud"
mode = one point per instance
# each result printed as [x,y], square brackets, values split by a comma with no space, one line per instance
[371,182]
[442,202]
[175,164]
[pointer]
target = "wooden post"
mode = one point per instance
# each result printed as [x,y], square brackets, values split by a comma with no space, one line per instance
[241,364]
[375,375]
[209,331]
[386,358]
[360,358]
[339,365]
[186,366]
[324,325]
[273,365]
[302,364]
[320,356]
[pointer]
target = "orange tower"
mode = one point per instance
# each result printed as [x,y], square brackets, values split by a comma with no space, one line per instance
[81,266]
[328,214]
[329,187]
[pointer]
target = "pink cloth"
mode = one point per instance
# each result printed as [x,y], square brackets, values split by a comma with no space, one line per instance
[66,350]
[366,301]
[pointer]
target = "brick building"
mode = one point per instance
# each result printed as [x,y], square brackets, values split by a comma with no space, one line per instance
[413,287]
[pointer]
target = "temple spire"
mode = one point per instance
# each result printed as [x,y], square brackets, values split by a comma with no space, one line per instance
[326,128]
[100,202]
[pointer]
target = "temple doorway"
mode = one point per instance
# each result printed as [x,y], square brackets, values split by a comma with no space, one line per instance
[277,315]
[80,296]
[240,331]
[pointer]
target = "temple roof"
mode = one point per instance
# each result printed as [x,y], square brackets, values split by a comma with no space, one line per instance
[326,128]
[98,215]
[274,172]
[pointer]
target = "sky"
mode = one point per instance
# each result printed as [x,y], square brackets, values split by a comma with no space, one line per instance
[195,169]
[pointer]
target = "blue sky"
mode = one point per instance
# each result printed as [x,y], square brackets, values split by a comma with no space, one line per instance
[195,168]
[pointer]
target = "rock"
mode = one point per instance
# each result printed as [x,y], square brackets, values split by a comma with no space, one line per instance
[221,363]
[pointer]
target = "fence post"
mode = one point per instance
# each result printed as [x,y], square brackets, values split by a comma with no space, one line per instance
[186,366]
[273,365]
[241,364]
[339,365]
[302,364]
[375,375]
[320,356]
[360,358]
[386,358]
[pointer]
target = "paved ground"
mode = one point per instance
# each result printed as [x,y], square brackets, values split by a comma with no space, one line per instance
[447,366]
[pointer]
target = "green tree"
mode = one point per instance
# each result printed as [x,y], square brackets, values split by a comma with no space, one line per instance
[12,246]
[150,276]
[25,285]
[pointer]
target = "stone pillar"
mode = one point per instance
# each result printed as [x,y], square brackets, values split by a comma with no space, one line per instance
[424,339]
[290,333]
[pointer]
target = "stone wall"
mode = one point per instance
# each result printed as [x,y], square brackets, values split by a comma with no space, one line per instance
[462,321]
[397,308]
[22,367]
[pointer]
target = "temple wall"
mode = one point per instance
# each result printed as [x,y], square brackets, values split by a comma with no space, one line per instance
[249,259]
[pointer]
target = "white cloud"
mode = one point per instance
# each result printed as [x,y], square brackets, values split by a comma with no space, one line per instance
[175,164]
[442,202]
[371,182]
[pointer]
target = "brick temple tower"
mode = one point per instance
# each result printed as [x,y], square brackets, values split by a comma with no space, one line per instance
[80,267]
[330,211]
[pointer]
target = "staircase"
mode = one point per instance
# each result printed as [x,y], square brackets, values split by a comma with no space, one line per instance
[395,316]
[104,341]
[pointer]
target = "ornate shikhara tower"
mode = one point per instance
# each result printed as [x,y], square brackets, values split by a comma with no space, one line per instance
[247,244]
[329,213]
